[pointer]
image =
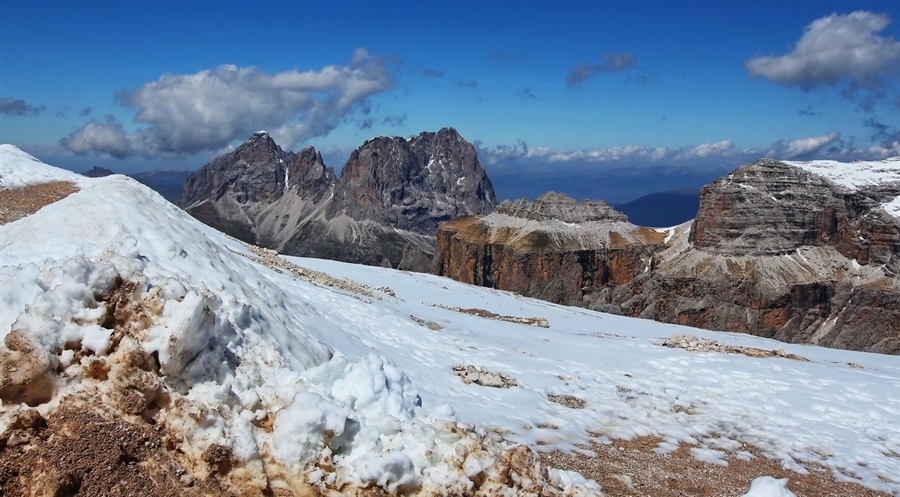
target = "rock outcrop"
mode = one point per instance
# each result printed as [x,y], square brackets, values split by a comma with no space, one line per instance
[97,172]
[799,209]
[523,247]
[778,250]
[384,209]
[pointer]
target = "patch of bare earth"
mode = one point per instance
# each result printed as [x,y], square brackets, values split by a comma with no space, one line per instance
[541,322]
[633,468]
[16,203]
[79,451]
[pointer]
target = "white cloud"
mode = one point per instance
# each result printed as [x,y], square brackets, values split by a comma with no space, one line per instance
[188,113]
[720,149]
[806,146]
[832,50]
[720,153]
[109,138]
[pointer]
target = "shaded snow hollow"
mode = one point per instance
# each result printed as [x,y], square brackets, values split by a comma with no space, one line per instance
[325,386]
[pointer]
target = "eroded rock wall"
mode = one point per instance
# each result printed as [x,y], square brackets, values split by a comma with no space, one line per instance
[775,251]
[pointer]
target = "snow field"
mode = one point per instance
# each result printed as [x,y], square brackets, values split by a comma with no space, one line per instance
[357,392]
[235,344]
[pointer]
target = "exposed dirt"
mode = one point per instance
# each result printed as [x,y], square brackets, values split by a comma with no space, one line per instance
[679,474]
[541,322]
[17,203]
[77,451]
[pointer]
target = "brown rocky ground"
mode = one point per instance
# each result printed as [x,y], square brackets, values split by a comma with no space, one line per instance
[17,203]
[77,451]
[680,475]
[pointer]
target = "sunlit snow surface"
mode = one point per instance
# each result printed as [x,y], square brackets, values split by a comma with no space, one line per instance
[854,175]
[315,357]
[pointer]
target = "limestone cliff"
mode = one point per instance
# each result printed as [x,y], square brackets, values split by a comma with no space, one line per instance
[777,250]
[384,209]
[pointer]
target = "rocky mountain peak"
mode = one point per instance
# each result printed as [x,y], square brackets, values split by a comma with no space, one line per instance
[771,207]
[97,172]
[307,175]
[385,208]
[260,145]
[414,184]
[559,206]
[253,172]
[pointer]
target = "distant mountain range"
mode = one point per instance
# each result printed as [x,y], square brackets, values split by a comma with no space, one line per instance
[663,208]
[615,185]
[167,182]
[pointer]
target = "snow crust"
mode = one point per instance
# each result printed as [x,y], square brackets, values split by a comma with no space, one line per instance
[355,381]
[823,411]
[766,486]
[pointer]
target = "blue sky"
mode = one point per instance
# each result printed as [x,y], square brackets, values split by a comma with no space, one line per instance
[141,85]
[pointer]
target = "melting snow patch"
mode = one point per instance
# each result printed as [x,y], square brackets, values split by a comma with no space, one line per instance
[766,486]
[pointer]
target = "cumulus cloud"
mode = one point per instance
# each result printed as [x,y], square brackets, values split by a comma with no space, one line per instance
[834,49]
[108,137]
[616,62]
[19,107]
[803,147]
[188,113]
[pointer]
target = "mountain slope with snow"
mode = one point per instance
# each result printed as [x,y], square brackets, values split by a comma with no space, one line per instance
[319,376]
[882,175]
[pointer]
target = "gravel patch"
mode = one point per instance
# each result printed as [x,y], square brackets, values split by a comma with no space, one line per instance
[16,203]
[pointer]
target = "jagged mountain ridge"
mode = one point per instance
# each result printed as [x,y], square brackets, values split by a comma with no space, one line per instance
[384,209]
[780,250]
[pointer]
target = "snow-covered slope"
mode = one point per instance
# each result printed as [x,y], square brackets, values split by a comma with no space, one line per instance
[854,174]
[310,379]
[18,168]
[859,174]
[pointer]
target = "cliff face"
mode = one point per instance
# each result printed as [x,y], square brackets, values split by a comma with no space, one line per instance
[777,250]
[414,184]
[384,209]
[525,248]
[772,207]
